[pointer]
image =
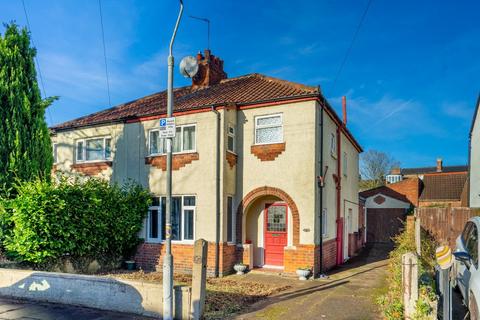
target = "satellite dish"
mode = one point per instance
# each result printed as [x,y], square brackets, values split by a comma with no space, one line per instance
[189,67]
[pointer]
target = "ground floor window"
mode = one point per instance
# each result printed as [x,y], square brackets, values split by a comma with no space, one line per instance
[230,219]
[183,218]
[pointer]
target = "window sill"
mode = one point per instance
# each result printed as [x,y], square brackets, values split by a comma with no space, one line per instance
[91,168]
[188,242]
[268,143]
[268,152]
[179,160]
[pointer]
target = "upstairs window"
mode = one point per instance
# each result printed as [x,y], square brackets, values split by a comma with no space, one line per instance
[269,129]
[55,156]
[231,139]
[184,141]
[333,145]
[345,164]
[95,149]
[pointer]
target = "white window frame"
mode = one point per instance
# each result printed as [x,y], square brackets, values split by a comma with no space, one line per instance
[84,149]
[282,139]
[55,153]
[333,145]
[345,163]
[182,217]
[232,135]
[324,223]
[181,141]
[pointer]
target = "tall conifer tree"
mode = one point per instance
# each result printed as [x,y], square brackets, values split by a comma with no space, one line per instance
[25,145]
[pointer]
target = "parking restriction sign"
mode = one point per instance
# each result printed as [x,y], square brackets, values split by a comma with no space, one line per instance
[167,127]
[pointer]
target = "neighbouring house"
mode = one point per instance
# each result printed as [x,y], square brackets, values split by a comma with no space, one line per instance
[248,158]
[408,188]
[474,159]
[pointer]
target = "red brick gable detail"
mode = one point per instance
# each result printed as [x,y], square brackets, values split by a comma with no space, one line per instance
[379,199]
[178,160]
[231,159]
[267,152]
[91,168]
[269,191]
[409,187]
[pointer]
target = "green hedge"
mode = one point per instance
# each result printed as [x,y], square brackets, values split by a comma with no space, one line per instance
[46,221]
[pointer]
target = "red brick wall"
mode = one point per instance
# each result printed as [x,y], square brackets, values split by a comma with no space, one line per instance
[149,256]
[307,255]
[409,187]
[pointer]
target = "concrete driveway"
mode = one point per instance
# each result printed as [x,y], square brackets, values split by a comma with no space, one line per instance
[349,292]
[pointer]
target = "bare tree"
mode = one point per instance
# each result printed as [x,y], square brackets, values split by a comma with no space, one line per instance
[374,166]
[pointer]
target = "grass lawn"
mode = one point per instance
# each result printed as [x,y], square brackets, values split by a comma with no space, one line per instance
[225,296]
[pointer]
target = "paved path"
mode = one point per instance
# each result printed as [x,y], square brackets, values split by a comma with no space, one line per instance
[348,294]
[14,309]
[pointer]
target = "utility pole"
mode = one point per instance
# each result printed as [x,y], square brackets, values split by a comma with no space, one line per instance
[168,258]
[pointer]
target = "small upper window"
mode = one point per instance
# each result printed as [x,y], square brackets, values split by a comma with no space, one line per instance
[269,129]
[55,156]
[184,141]
[95,149]
[333,145]
[231,139]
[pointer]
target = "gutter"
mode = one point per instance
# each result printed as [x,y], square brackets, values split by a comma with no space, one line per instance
[217,192]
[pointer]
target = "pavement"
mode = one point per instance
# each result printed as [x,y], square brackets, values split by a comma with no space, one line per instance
[23,309]
[348,293]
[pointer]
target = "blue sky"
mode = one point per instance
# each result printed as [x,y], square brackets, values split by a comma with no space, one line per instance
[411,80]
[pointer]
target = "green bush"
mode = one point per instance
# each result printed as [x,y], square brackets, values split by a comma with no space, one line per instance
[391,302]
[47,221]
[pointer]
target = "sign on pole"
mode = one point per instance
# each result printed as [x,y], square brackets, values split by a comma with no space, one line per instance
[167,127]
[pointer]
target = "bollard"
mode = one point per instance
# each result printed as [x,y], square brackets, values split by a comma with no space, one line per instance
[410,283]
[199,279]
[445,261]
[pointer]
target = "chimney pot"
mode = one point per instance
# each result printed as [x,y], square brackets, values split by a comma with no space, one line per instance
[199,56]
[344,109]
[439,165]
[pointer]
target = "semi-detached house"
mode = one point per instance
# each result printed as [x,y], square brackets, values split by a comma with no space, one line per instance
[248,154]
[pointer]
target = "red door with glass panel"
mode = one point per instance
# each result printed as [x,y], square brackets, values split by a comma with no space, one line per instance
[275,230]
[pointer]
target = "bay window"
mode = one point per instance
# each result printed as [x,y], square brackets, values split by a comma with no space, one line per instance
[184,141]
[94,149]
[183,219]
[269,129]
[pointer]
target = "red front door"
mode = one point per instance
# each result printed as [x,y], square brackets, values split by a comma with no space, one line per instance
[275,230]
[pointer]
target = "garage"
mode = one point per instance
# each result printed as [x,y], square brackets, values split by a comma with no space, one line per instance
[386,212]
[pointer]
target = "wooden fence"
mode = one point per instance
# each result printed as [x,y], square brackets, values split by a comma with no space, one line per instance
[445,224]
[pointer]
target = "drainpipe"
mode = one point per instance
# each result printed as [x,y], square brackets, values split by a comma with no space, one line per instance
[217,200]
[320,187]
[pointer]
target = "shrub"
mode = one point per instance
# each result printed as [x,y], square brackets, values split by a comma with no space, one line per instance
[391,303]
[90,218]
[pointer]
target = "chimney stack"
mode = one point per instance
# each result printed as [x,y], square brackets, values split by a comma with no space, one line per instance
[210,70]
[439,165]
[395,171]
[344,110]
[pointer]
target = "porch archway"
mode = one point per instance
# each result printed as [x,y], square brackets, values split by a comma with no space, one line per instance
[268,191]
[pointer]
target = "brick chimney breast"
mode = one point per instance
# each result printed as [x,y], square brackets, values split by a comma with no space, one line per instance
[210,70]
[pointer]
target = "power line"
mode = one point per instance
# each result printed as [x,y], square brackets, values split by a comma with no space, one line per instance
[351,44]
[36,60]
[104,52]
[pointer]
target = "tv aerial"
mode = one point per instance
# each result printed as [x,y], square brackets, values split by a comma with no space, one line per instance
[189,67]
